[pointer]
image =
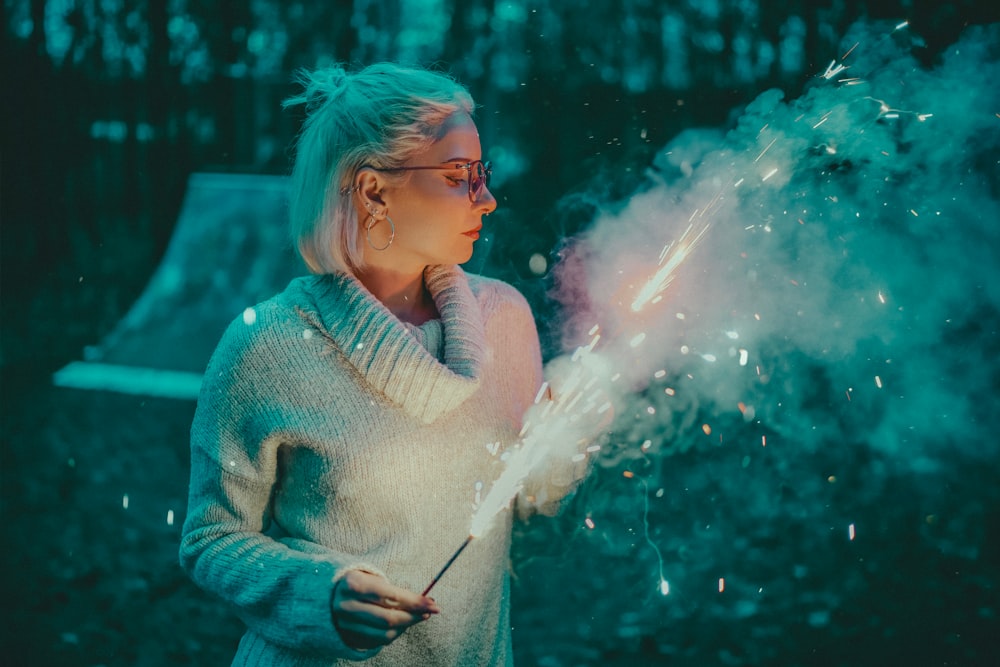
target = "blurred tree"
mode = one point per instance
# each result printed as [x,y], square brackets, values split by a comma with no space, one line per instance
[124,98]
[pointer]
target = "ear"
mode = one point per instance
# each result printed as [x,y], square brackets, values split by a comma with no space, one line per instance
[370,186]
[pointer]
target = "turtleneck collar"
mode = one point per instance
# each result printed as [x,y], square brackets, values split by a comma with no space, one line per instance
[388,356]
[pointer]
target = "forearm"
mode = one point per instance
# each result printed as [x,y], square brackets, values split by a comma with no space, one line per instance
[280,588]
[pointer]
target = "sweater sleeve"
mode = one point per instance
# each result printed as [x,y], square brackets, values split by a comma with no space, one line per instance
[281,588]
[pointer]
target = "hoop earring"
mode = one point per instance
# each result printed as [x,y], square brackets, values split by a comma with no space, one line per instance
[368,232]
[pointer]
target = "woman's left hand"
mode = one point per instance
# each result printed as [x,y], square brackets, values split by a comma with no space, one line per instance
[369,612]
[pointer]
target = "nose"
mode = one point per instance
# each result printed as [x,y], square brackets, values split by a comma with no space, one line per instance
[486,203]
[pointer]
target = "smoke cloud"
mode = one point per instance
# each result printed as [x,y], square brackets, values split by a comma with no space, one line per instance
[805,418]
[849,255]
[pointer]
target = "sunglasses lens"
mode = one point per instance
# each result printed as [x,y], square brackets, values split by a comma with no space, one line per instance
[479,179]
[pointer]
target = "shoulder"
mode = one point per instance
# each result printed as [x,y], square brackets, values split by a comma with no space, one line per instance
[507,316]
[260,333]
[493,294]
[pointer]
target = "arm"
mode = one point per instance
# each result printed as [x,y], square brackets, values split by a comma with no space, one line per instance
[283,589]
[563,416]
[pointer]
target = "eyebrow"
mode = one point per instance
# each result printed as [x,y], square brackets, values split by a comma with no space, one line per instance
[463,160]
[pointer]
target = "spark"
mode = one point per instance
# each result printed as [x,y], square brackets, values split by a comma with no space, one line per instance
[766,149]
[170,517]
[722,584]
[851,532]
[763,441]
[881,297]
[822,120]
[670,259]
[637,339]
[125,501]
[885,111]
[901,26]
[664,586]
[769,174]
[249,316]
[834,68]
[589,522]
[878,382]
[744,357]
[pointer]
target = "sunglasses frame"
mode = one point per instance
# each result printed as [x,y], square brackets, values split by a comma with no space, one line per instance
[484,181]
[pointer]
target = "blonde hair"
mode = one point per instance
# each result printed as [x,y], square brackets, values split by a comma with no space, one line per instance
[379,116]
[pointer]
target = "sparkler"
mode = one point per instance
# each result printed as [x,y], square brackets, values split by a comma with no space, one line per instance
[560,419]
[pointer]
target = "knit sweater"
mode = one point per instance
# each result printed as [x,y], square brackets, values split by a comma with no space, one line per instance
[328,437]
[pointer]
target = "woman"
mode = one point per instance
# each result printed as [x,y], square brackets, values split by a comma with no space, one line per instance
[345,425]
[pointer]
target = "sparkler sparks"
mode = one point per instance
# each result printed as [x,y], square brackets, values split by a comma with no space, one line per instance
[833,69]
[664,585]
[554,430]
[671,258]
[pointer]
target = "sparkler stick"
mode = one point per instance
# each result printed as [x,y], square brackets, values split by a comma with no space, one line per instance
[447,565]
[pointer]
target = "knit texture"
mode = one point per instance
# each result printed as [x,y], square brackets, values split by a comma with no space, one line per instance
[330,436]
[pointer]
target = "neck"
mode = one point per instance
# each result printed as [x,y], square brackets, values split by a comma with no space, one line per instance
[404,294]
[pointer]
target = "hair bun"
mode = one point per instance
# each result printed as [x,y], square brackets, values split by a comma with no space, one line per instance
[320,85]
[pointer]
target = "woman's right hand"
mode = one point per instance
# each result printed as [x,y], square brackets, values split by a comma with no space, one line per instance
[370,612]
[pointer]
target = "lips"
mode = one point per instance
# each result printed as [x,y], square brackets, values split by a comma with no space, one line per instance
[473,233]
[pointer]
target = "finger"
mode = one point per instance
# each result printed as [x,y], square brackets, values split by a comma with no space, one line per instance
[363,637]
[377,616]
[376,590]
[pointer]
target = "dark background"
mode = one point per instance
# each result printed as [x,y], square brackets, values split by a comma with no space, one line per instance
[110,106]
